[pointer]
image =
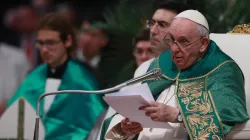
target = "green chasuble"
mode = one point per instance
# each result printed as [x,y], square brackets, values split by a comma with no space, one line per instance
[210,93]
[70,117]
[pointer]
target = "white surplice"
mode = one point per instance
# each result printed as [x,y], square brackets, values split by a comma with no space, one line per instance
[52,85]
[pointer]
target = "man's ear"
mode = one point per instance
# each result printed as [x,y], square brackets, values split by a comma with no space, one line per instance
[68,42]
[205,42]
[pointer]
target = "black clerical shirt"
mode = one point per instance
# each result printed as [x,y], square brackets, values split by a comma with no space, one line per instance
[57,72]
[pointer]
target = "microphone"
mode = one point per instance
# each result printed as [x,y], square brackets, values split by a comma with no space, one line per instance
[151,75]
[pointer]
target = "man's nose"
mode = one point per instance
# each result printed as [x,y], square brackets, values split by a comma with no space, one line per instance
[154,29]
[174,47]
[44,48]
[144,56]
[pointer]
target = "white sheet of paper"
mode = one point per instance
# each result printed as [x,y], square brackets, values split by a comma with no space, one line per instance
[128,101]
[141,89]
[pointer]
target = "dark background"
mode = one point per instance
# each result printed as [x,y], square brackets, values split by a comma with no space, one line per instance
[84,9]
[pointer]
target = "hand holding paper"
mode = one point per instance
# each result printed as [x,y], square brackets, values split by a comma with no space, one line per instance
[161,112]
[128,101]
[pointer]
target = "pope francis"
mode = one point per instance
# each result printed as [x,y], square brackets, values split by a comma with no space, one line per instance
[201,94]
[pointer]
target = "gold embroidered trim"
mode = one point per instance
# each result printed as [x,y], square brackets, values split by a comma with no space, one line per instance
[182,113]
[216,112]
[228,61]
[200,110]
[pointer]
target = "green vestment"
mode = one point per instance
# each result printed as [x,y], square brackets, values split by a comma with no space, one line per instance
[210,93]
[70,117]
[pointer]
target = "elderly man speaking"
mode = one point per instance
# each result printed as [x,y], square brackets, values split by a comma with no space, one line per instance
[201,94]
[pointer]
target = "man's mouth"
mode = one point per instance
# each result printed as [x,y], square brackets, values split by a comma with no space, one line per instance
[46,57]
[154,41]
[177,58]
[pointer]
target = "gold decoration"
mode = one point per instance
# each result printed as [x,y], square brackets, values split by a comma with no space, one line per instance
[194,87]
[199,112]
[241,29]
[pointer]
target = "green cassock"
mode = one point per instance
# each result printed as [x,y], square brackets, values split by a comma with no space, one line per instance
[210,93]
[70,117]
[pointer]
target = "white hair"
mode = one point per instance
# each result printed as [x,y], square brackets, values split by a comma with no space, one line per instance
[203,31]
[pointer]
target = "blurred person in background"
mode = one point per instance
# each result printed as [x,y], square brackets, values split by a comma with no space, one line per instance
[42,6]
[64,116]
[81,39]
[92,39]
[17,60]
[27,19]
[142,52]
[23,22]
[10,34]
[67,11]
[14,67]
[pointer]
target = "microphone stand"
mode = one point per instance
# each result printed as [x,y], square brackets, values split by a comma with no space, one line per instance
[151,75]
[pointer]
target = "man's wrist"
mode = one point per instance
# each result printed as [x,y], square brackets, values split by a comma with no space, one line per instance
[177,117]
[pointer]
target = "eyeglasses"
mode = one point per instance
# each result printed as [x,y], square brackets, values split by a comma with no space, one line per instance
[162,25]
[182,43]
[50,44]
